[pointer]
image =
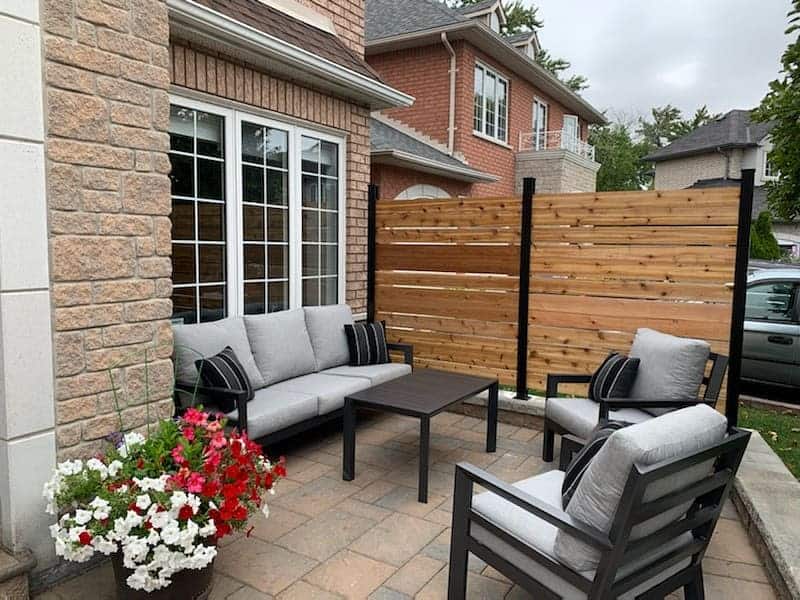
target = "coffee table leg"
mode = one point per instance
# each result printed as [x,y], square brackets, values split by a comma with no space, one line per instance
[491,419]
[424,445]
[349,450]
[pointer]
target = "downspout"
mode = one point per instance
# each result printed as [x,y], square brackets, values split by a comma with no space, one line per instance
[451,117]
[727,156]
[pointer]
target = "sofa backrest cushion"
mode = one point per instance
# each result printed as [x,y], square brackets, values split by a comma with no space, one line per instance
[325,326]
[280,343]
[670,368]
[203,340]
[597,496]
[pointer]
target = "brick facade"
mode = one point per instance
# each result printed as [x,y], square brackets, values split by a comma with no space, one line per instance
[201,70]
[681,173]
[392,180]
[423,72]
[106,80]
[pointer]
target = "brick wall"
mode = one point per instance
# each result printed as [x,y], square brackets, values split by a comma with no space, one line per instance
[393,180]
[107,74]
[197,69]
[684,172]
[424,73]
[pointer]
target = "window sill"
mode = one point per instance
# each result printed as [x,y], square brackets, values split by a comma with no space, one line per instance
[487,138]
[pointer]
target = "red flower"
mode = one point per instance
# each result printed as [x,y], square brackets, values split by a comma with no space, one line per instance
[85,538]
[132,506]
[148,524]
[210,489]
[185,513]
[188,433]
[140,463]
[223,529]
[195,483]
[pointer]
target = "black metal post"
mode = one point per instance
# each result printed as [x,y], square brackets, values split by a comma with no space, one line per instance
[372,199]
[739,296]
[528,190]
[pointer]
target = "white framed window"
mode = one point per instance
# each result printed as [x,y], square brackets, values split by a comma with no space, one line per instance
[539,124]
[770,172]
[570,133]
[258,214]
[490,106]
[422,190]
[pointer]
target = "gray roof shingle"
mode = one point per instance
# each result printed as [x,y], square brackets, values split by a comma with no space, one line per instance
[468,9]
[385,137]
[733,130]
[387,18]
[518,38]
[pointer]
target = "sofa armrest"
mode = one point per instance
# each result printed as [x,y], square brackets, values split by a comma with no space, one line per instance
[607,404]
[406,349]
[556,379]
[215,394]
[552,514]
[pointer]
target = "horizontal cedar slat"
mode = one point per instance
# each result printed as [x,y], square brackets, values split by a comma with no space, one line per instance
[439,235]
[462,259]
[710,235]
[504,376]
[679,255]
[487,306]
[448,280]
[633,288]
[654,201]
[496,329]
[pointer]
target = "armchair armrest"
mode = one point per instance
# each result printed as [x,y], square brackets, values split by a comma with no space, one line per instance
[215,394]
[607,404]
[553,515]
[570,445]
[556,379]
[406,349]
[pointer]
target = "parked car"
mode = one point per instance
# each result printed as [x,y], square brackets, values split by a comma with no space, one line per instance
[771,352]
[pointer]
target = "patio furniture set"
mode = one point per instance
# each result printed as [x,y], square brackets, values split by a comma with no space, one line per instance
[640,513]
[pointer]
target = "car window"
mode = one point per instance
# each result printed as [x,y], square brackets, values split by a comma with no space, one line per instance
[772,301]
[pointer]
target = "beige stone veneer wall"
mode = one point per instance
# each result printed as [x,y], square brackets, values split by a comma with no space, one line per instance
[107,106]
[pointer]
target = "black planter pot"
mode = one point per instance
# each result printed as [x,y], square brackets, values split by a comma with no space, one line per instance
[189,584]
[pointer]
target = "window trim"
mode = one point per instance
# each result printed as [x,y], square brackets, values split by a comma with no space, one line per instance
[538,102]
[765,175]
[233,193]
[498,77]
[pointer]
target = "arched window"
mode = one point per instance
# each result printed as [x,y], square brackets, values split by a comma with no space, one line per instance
[422,190]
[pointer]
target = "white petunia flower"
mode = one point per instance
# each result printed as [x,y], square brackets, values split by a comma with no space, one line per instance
[114,468]
[143,501]
[82,517]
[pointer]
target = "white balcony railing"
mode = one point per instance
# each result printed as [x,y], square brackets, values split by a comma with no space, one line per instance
[555,140]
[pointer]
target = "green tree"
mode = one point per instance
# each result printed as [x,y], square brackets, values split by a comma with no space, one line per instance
[521,18]
[763,244]
[620,157]
[782,105]
[667,124]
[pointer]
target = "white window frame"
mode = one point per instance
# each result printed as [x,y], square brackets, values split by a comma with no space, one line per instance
[766,172]
[234,231]
[538,104]
[498,78]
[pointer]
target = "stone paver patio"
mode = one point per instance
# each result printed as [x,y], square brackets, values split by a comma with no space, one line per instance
[370,539]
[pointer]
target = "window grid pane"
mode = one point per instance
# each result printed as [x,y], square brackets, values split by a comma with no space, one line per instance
[198,219]
[477,115]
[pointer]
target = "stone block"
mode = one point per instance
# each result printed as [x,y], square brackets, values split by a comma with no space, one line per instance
[82,258]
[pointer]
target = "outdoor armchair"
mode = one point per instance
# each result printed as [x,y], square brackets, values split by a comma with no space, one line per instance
[637,527]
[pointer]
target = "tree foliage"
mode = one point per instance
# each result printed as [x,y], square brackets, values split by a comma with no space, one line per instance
[620,158]
[763,244]
[667,124]
[782,105]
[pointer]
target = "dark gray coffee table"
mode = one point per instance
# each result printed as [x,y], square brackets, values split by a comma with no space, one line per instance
[422,394]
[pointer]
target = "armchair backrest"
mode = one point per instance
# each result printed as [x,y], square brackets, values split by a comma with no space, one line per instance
[713,381]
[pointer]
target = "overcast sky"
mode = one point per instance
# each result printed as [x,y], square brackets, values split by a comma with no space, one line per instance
[643,53]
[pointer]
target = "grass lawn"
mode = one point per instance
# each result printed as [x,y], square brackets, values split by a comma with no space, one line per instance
[781,430]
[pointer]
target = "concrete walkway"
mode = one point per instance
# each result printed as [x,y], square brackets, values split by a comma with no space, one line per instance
[371,539]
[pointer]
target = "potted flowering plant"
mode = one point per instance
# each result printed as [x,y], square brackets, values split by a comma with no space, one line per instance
[159,505]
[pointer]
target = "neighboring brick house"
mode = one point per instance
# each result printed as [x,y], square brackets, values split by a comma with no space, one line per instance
[162,159]
[715,154]
[480,98]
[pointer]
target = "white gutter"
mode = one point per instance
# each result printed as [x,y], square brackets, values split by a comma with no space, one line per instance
[220,27]
[451,116]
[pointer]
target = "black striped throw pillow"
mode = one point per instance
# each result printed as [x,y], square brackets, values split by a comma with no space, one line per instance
[614,378]
[367,344]
[580,462]
[224,370]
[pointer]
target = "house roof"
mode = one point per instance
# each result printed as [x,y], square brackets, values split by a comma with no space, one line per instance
[476,7]
[520,38]
[735,129]
[396,24]
[389,144]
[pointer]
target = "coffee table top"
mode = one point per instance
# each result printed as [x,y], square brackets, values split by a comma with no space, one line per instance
[425,392]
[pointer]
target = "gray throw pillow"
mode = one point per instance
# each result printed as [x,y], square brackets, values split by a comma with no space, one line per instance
[203,340]
[325,326]
[281,346]
[670,367]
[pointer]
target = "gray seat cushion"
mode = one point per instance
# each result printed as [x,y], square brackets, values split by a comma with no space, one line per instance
[670,368]
[541,535]
[330,390]
[580,415]
[675,434]
[203,340]
[325,326]
[280,343]
[374,373]
[273,410]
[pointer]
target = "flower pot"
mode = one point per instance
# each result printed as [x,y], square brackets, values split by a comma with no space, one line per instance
[189,584]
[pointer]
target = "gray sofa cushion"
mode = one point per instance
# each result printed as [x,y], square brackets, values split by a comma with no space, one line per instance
[541,535]
[374,373]
[580,415]
[669,436]
[280,343]
[272,410]
[670,368]
[203,340]
[330,390]
[325,326]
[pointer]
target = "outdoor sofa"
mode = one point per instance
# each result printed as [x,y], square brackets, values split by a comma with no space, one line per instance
[669,377]
[296,360]
[637,525]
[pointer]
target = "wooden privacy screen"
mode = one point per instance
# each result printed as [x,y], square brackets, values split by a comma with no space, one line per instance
[602,265]
[447,281]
